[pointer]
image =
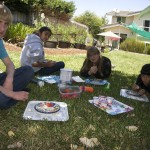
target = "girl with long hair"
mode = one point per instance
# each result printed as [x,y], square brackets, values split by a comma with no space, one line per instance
[96,65]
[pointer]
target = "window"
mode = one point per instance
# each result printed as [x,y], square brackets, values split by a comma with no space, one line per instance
[123,37]
[147,25]
[121,19]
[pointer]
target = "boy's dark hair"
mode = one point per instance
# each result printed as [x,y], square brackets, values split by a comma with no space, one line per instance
[145,69]
[42,29]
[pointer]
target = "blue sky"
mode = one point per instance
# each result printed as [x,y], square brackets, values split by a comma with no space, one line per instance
[101,7]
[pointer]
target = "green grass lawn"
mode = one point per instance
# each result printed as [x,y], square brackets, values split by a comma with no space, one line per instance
[110,130]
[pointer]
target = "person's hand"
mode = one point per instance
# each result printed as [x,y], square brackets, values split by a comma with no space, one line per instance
[94,69]
[35,64]
[135,87]
[50,63]
[142,92]
[45,63]
[21,95]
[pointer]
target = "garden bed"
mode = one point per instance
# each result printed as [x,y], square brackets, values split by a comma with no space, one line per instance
[51,51]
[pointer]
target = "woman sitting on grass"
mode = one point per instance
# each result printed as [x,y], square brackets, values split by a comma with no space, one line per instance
[96,65]
[33,53]
[142,85]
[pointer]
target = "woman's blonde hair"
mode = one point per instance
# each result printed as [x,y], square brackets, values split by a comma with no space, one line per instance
[5,13]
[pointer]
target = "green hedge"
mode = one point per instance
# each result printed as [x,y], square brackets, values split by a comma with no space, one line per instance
[69,33]
[147,50]
[133,45]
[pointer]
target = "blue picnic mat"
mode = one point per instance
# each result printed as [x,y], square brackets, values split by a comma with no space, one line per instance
[96,81]
[49,79]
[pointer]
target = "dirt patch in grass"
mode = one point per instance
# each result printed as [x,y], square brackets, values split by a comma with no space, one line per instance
[50,51]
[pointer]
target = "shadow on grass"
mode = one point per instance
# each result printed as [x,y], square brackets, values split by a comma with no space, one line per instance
[110,130]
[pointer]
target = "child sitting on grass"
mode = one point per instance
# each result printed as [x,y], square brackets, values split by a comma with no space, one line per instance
[33,53]
[13,81]
[142,85]
[96,65]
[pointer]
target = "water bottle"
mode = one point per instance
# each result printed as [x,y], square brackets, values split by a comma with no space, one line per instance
[107,86]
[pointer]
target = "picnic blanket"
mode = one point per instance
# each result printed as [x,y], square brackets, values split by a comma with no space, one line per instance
[56,79]
[96,81]
[49,79]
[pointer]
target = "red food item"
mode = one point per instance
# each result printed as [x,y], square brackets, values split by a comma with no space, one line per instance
[49,104]
[66,91]
[69,93]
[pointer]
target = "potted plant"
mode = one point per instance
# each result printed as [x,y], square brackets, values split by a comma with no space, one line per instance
[64,42]
[80,42]
[50,44]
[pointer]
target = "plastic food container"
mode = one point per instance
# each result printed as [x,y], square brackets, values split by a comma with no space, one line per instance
[65,75]
[69,92]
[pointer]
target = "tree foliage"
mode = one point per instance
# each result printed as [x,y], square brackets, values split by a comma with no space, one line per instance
[55,6]
[92,21]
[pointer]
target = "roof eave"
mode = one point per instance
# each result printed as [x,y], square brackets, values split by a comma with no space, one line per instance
[111,25]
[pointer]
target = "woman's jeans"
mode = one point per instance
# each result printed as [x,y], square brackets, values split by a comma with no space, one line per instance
[22,77]
[49,70]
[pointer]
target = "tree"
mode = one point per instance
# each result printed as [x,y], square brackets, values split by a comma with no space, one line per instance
[58,7]
[92,21]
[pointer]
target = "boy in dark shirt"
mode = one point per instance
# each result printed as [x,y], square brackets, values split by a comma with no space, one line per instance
[142,85]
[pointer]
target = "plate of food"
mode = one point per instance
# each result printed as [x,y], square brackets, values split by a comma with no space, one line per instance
[47,107]
[110,105]
[134,93]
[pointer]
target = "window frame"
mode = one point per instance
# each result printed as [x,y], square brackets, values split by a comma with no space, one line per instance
[146,26]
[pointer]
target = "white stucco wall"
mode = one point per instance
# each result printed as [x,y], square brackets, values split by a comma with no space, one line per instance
[140,21]
[129,19]
[121,30]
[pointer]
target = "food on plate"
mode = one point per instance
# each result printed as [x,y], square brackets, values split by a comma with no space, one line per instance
[133,93]
[47,107]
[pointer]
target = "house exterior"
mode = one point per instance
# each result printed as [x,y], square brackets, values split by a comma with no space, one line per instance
[122,18]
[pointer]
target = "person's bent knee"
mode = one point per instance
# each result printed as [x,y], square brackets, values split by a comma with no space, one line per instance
[61,64]
[29,70]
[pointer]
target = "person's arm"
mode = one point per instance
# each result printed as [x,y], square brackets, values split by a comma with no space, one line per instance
[84,72]
[10,69]
[48,63]
[106,67]
[7,87]
[20,95]
[33,52]
[139,87]
[135,87]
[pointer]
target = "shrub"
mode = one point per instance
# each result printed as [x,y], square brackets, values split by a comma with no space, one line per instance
[17,32]
[62,32]
[132,45]
[147,50]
